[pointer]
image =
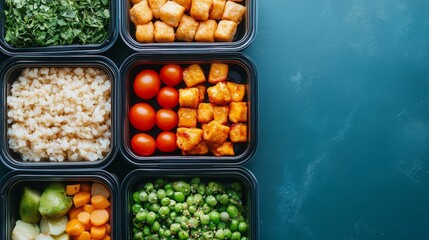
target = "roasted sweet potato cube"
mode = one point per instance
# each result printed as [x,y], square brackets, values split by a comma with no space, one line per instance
[237,112]
[193,75]
[219,94]
[187,117]
[237,91]
[145,32]
[218,73]
[189,97]
[233,11]
[188,138]
[220,114]
[238,132]
[140,13]
[225,149]
[200,149]
[215,132]
[202,91]
[205,112]
[200,9]
[171,13]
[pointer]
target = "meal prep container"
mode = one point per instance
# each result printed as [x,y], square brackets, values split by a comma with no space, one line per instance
[66,49]
[137,178]
[12,185]
[246,32]
[241,68]
[10,71]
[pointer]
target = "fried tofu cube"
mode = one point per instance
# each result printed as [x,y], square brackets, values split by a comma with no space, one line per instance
[219,94]
[205,112]
[187,117]
[214,132]
[171,13]
[185,3]
[189,97]
[217,9]
[237,112]
[220,114]
[200,9]
[238,132]
[225,31]
[163,32]
[144,33]
[218,73]
[225,149]
[155,6]
[205,31]
[237,91]
[188,138]
[233,11]
[140,13]
[187,28]
[193,75]
[202,92]
[200,149]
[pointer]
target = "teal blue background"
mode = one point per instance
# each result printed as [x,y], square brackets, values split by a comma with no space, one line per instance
[343,119]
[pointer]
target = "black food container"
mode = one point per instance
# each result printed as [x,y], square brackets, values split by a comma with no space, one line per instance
[11,70]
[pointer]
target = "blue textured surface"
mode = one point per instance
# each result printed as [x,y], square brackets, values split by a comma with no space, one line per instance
[344,119]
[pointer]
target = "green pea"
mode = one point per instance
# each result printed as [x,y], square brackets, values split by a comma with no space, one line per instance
[201,189]
[165,201]
[151,217]
[244,238]
[234,225]
[172,204]
[149,187]
[210,200]
[190,199]
[138,236]
[146,230]
[161,232]
[178,207]
[137,223]
[169,221]
[184,225]
[222,208]
[198,200]
[198,213]
[137,207]
[232,211]
[168,186]
[214,217]
[141,216]
[161,194]
[179,197]
[173,215]
[163,211]
[167,233]
[220,234]
[155,226]
[181,186]
[242,227]
[241,218]
[185,206]
[224,199]
[221,225]
[228,233]
[153,237]
[192,209]
[136,197]
[183,235]
[143,196]
[193,222]
[154,207]
[212,226]
[174,228]
[169,192]
[208,235]
[159,182]
[224,216]
[153,198]
[236,236]
[205,219]
[206,208]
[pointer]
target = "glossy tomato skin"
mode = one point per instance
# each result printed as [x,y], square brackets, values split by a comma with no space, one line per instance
[171,74]
[166,142]
[168,97]
[166,119]
[147,84]
[142,116]
[143,144]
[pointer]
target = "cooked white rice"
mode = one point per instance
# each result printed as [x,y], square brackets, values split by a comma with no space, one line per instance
[60,114]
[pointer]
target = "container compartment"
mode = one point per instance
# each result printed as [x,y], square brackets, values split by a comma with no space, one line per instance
[241,70]
[244,36]
[12,188]
[137,179]
[11,70]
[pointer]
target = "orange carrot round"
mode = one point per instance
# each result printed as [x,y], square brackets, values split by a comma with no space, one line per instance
[88,208]
[107,237]
[98,232]
[81,198]
[108,228]
[99,217]
[99,202]
[84,236]
[84,217]
[73,212]
[74,227]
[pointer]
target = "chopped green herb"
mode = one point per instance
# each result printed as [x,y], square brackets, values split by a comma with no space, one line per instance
[33,23]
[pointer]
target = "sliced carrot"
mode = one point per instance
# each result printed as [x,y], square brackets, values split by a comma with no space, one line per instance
[72,189]
[88,226]
[84,236]
[108,228]
[99,217]
[98,232]
[73,212]
[85,187]
[81,198]
[84,217]
[74,227]
[100,202]
[106,237]
[88,208]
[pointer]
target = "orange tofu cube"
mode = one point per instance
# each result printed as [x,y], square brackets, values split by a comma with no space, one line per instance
[237,91]
[225,31]
[200,9]
[238,132]
[205,112]
[218,73]
[233,11]
[145,32]
[171,13]
[200,149]
[140,13]
[193,75]
[189,97]
[220,114]
[237,112]
[188,138]
[163,32]
[205,31]
[214,132]
[219,94]
[187,117]
[187,28]
[225,149]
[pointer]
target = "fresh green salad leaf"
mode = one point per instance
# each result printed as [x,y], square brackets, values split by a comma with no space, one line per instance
[34,23]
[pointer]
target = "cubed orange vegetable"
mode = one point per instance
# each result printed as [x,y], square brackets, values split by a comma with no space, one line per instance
[74,227]
[81,198]
[99,202]
[72,189]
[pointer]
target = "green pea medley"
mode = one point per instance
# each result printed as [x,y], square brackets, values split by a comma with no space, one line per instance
[192,209]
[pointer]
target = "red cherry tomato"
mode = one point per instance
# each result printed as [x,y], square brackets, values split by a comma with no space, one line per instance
[143,144]
[168,97]
[142,116]
[147,84]
[166,142]
[166,119]
[171,74]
